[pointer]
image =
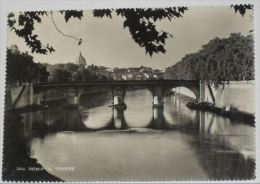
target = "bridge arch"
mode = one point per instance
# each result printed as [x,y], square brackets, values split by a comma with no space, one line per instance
[194,90]
[182,90]
[159,91]
[119,88]
[138,112]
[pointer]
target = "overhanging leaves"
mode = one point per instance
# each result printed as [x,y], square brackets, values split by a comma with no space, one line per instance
[241,8]
[140,22]
[72,13]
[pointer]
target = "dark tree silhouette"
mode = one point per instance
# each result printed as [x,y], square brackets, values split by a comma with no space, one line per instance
[220,60]
[139,21]
[241,8]
[21,68]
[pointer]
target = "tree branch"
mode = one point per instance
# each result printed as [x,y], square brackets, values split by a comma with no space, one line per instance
[63,34]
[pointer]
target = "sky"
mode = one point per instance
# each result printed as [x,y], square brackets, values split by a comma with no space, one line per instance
[106,43]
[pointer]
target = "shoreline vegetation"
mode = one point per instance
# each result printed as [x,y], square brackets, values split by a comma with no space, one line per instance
[221,60]
[233,113]
[17,163]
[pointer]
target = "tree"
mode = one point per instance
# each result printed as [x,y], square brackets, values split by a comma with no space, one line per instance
[242,8]
[60,75]
[42,73]
[21,67]
[139,21]
[220,61]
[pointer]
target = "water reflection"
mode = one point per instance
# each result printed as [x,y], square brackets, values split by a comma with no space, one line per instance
[55,120]
[93,120]
[207,145]
[78,119]
[111,118]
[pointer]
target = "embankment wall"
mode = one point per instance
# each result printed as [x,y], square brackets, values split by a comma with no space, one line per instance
[238,94]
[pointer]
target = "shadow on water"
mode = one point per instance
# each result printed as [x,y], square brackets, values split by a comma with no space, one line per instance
[73,119]
[215,151]
[17,164]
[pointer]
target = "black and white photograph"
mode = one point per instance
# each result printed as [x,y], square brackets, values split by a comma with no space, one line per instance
[130,94]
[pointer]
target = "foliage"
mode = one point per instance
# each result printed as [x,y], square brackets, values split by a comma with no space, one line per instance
[21,68]
[72,13]
[60,75]
[241,8]
[137,73]
[140,22]
[24,27]
[16,152]
[97,73]
[73,73]
[226,59]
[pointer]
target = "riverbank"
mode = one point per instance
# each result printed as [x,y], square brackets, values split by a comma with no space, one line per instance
[36,107]
[233,113]
[17,164]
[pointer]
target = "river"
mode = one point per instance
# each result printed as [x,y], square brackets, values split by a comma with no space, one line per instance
[96,143]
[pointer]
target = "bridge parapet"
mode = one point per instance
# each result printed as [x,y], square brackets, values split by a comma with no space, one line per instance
[158,88]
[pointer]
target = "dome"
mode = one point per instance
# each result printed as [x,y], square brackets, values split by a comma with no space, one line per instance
[81,60]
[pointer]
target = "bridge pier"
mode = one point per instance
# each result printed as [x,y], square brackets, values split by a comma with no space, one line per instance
[118,97]
[158,120]
[158,101]
[118,100]
[202,91]
[73,100]
[73,96]
[158,95]
[157,88]
[119,119]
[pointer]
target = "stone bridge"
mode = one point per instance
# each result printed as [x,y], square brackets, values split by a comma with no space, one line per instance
[158,89]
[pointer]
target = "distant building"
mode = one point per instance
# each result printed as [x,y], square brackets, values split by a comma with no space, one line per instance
[130,76]
[146,76]
[109,69]
[124,77]
[137,73]
[81,61]
[155,76]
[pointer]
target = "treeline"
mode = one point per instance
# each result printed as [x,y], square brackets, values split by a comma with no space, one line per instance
[226,59]
[71,72]
[21,68]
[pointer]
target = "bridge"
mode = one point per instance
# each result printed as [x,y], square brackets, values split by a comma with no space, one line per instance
[158,88]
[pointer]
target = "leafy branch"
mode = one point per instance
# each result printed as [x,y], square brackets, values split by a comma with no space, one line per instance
[66,35]
[242,8]
[140,22]
[24,26]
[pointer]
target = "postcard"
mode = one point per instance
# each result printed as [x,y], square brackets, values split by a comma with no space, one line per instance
[130,93]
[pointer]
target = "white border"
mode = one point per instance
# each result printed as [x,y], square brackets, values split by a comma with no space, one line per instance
[22,5]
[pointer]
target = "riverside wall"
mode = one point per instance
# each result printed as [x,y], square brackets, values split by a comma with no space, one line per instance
[238,94]
[23,95]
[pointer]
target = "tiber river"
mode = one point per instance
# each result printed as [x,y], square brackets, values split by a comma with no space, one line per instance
[141,143]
